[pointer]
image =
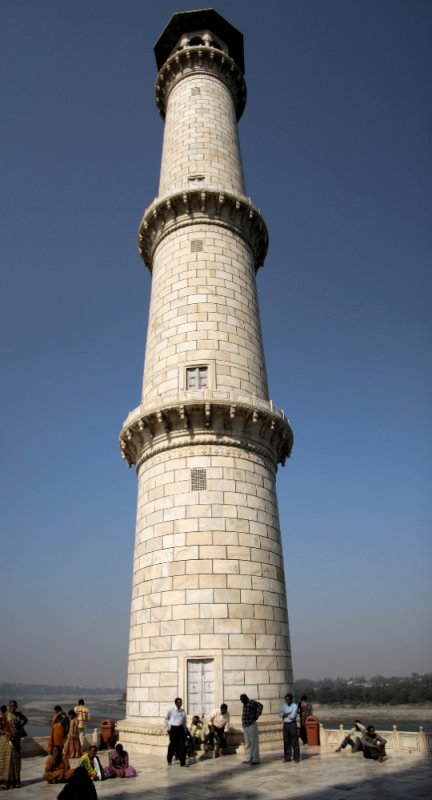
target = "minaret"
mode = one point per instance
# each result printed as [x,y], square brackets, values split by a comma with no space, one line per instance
[209,618]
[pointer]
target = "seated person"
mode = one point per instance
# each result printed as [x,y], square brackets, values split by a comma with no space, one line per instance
[57,767]
[118,766]
[91,763]
[219,722]
[197,730]
[373,744]
[354,738]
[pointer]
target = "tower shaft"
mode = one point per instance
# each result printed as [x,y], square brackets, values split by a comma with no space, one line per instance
[209,618]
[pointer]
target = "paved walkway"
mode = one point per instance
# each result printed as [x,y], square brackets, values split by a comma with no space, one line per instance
[318,776]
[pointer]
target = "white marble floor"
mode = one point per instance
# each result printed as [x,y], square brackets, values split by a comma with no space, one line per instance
[320,775]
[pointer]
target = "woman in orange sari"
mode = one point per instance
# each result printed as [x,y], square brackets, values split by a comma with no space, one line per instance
[57,767]
[72,748]
[59,729]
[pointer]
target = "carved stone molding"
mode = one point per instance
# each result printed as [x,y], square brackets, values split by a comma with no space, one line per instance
[200,59]
[224,424]
[234,212]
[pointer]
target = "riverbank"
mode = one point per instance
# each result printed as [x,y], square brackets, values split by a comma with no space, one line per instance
[110,706]
[406,717]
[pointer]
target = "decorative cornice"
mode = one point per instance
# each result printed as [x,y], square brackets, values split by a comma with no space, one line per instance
[193,422]
[232,211]
[200,59]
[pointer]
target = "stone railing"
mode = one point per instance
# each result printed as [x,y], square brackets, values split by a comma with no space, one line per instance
[397,741]
[234,212]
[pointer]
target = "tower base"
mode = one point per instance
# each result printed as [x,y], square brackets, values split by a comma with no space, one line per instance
[153,739]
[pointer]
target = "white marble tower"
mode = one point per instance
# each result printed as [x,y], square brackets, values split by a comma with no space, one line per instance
[209,618]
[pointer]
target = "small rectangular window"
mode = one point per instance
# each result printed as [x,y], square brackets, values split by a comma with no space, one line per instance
[195,90]
[196,378]
[198,480]
[196,245]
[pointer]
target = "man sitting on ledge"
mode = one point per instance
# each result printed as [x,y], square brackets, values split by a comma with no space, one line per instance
[373,744]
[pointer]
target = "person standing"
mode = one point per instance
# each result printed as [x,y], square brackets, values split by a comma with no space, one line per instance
[288,714]
[72,748]
[83,716]
[304,710]
[219,721]
[252,709]
[59,729]
[12,731]
[176,724]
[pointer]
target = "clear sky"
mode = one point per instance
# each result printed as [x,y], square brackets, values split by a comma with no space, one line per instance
[336,144]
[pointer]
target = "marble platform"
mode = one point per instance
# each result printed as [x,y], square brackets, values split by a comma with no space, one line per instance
[321,774]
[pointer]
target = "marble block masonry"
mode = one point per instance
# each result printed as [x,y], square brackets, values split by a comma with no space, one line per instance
[209,616]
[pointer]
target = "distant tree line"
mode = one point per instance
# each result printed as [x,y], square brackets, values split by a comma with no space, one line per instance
[23,689]
[358,691]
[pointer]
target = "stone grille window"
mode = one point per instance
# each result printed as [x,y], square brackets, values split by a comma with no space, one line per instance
[195,90]
[196,245]
[196,378]
[198,480]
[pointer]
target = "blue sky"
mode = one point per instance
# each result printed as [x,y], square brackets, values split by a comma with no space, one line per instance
[336,144]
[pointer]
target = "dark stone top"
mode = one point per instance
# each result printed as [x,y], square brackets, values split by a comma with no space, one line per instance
[189,21]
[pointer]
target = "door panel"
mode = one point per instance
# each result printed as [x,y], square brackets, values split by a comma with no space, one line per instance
[200,685]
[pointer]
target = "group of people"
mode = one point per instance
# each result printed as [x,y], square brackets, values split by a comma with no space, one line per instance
[208,732]
[67,736]
[213,729]
[68,730]
[58,769]
[364,739]
[66,740]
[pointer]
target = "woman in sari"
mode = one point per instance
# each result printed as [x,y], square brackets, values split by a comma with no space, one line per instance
[119,766]
[57,767]
[91,763]
[5,752]
[72,748]
[11,733]
[59,729]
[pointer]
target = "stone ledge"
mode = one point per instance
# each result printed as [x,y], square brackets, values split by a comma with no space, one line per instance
[236,213]
[222,423]
[198,59]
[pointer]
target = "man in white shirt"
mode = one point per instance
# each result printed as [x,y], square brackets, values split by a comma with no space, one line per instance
[219,721]
[176,725]
[288,714]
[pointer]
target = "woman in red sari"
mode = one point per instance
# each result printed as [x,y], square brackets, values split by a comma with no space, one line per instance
[72,748]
